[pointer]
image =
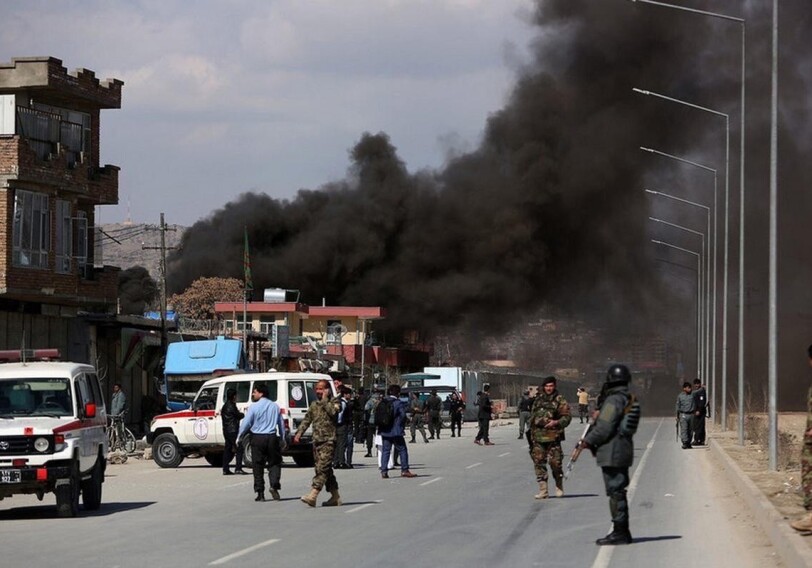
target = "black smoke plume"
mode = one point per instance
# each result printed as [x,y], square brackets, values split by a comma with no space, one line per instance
[137,291]
[550,208]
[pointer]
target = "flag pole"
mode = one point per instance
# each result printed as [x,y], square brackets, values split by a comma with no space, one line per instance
[247,288]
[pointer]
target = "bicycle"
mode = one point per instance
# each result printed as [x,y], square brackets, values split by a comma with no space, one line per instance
[119,436]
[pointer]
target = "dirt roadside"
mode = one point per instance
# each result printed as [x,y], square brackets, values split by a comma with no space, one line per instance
[782,488]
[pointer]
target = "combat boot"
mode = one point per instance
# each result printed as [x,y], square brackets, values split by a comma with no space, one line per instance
[620,535]
[559,487]
[334,500]
[310,498]
[804,524]
[542,494]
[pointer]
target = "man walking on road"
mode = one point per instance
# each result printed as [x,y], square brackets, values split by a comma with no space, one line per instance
[394,436]
[525,404]
[614,451]
[549,416]
[804,524]
[321,415]
[485,406]
[455,409]
[700,412]
[264,421]
[685,414]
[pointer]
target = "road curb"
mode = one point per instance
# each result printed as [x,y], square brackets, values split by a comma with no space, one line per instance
[791,547]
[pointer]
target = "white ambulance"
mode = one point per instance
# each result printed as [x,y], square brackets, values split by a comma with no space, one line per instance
[199,430]
[52,433]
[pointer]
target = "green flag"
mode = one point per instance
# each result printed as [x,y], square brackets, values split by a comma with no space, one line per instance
[246,262]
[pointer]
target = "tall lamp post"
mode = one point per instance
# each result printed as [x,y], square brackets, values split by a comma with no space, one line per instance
[724,295]
[705,280]
[708,324]
[698,278]
[742,23]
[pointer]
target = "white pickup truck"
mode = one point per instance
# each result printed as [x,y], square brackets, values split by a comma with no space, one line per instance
[52,433]
[199,430]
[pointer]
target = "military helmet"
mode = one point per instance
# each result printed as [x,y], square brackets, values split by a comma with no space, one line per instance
[618,375]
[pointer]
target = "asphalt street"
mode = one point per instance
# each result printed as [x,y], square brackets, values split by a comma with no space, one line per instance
[470,506]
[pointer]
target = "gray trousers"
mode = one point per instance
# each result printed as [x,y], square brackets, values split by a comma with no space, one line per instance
[524,418]
[685,422]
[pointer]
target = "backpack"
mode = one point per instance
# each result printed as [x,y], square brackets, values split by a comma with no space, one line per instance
[631,417]
[385,414]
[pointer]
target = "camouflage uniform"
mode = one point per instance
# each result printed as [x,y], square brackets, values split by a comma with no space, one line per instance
[545,445]
[806,457]
[417,408]
[321,415]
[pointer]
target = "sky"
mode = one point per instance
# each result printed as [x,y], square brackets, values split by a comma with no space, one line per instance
[222,97]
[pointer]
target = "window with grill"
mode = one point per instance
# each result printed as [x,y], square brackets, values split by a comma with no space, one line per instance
[32,229]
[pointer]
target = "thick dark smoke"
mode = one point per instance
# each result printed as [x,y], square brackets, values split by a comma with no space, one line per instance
[550,208]
[137,291]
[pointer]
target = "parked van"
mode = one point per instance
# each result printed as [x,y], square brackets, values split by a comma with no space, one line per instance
[52,433]
[199,430]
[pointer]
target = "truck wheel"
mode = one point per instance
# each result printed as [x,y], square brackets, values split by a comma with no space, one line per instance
[67,494]
[215,460]
[166,451]
[247,454]
[304,460]
[92,487]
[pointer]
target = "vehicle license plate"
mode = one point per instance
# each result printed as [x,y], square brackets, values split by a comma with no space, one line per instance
[9,475]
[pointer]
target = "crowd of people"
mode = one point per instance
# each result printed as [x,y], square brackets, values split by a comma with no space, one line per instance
[381,418]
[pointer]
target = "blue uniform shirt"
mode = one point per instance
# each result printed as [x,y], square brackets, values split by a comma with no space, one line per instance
[263,417]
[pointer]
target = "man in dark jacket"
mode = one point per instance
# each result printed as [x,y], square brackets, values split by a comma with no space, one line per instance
[525,406]
[485,405]
[614,451]
[455,409]
[231,416]
[700,408]
[434,406]
[394,436]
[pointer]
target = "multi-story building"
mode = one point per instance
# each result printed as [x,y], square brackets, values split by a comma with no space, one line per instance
[51,181]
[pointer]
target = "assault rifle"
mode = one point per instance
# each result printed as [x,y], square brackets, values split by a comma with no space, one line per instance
[577,451]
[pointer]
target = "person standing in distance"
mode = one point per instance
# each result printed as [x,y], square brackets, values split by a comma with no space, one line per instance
[583,404]
[342,423]
[231,417]
[485,406]
[525,405]
[549,416]
[614,451]
[394,436]
[685,414]
[804,524]
[321,415]
[418,410]
[700,412]
[118,408]
[264,421]
[434,406]
[456,409]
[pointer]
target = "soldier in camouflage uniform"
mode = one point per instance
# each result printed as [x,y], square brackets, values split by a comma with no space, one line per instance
[549,416]
[321,415]
[804,524]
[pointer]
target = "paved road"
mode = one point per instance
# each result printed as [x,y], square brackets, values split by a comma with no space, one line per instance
[470,506]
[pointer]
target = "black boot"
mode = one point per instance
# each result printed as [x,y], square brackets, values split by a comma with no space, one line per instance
[620,535]
[260,496]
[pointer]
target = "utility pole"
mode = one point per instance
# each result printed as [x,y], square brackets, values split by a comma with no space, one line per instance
[162,271]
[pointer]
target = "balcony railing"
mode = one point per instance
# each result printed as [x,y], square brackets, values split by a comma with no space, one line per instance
[47,132]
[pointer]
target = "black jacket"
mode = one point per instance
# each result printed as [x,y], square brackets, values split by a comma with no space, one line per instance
[231,417]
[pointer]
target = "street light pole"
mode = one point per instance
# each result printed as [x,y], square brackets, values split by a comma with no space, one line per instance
[772,371]
[724,295]
[707,291]
[742,23]
[698,278]
[704,334]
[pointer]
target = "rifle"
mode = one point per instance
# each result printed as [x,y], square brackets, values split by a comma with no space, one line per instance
[677,425]
[577,451]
